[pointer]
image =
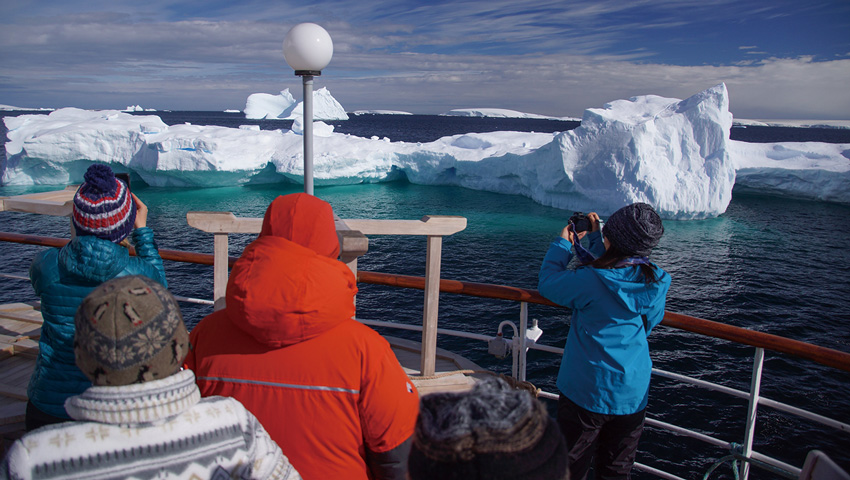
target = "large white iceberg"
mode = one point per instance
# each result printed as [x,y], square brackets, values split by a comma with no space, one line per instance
[266,106]
[674,154]
[670,153]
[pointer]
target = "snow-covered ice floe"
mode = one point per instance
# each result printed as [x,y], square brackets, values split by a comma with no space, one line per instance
[674,154]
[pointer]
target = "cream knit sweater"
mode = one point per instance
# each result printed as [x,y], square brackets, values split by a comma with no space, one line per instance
[160,429]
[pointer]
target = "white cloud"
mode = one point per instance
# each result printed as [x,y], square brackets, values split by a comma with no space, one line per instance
[541,57]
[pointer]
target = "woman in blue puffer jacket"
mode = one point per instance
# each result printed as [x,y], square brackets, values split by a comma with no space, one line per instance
[616,300]
[105,214]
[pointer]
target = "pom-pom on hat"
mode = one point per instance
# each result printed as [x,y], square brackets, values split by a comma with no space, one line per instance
[129,330]
[103,206]
[634,229]
[492,431]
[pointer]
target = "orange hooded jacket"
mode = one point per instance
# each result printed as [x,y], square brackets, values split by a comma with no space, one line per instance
[328,389]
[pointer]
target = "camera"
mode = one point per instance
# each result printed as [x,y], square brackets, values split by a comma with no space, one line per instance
[581,222]
[125,177]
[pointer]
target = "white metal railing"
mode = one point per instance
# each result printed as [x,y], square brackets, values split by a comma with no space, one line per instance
[520,344]
[179,298]
[354,243]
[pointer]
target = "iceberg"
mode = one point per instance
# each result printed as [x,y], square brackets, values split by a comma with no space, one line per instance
[806,170]
[675,154]
[11,108]
[284,107]
[498,113]
[380,112]
[670,153]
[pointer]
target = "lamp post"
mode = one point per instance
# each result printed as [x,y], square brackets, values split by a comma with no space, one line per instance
[308,49]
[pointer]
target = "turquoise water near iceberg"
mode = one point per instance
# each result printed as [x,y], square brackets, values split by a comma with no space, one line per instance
[768,264]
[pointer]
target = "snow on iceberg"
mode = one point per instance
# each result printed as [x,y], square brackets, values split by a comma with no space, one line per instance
[284,107]
[674,154]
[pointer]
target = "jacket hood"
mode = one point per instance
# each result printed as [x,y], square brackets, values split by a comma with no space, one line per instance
[305,220]
[288,287]
[89,259]
[628,288]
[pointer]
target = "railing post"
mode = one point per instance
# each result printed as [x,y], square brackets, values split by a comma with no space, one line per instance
[220,269]
[523,328]
[352,244]
[755,388]
[433,255]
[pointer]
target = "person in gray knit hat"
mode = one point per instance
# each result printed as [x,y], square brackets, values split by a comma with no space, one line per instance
[634,229]
[490,432]
[144,416]
[617,296]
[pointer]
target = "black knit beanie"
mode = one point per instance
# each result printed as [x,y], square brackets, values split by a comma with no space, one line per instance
[634,229]
[489,432]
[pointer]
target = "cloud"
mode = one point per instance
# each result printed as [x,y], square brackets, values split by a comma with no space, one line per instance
[541,57]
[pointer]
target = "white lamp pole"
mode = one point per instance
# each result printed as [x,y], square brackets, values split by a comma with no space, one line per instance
[308,49]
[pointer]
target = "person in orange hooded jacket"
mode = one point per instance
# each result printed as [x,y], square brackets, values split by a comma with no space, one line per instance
[328,389]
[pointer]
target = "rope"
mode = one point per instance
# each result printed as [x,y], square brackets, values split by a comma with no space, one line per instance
[736,455]
[513,382]
[720,462]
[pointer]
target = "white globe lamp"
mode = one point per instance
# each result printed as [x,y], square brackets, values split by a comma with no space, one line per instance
[308,48]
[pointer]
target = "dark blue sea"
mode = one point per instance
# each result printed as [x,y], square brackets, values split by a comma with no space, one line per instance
[770,264]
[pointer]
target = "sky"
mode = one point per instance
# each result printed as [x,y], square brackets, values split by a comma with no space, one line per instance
[780,59]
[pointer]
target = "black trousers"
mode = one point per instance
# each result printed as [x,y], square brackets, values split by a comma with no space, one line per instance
[36,418]
[606,442]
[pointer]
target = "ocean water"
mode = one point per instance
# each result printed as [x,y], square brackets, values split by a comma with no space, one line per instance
[770,264]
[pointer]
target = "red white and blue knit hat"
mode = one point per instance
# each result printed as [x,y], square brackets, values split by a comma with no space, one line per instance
[103,206]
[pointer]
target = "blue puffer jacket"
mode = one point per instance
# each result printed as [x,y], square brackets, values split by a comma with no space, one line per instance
[606,365]
[62,278]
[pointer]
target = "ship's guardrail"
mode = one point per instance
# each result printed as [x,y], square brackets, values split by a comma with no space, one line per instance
[759,340]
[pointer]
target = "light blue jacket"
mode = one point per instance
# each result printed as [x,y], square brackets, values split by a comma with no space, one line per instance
[62,277]
[606,365]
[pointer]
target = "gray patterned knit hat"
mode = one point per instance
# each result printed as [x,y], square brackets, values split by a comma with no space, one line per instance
[129,330]
[634,229]
[491,431]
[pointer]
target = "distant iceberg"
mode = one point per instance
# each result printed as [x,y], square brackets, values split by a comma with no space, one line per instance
[266,106]
[793,123]
[380,112]
[498,113]
[674,154]
[10,108]
[138,108]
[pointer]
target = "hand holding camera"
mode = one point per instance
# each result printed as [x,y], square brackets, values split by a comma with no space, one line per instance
[582,224]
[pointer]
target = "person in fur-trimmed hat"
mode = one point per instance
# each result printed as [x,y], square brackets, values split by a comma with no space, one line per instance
[143,417]
[105,215]
[490,432]
[616,300]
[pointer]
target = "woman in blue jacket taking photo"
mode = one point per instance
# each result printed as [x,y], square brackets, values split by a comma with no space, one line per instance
[105,214]
[617,296]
